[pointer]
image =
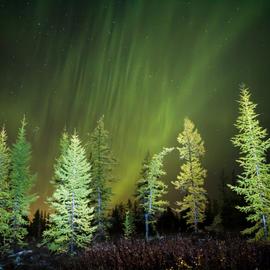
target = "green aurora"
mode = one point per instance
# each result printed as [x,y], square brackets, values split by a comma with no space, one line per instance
[145,65]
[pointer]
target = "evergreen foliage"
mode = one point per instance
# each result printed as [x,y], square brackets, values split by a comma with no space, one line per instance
[253,184]
[5,199]
[21,182]
[128,224]
[142,181]
[152,189]
[190,181]
[70,224]
[141,184]
[64,144]
[102,163]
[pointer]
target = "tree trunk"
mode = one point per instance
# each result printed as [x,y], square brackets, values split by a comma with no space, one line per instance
[99,211]
[146,216]
[264,222]
[195,218]
[264,226]
[72,225]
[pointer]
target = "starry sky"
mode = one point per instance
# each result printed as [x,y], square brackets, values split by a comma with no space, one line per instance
[144,64]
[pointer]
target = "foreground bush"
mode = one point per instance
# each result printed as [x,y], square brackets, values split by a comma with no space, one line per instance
[172,253]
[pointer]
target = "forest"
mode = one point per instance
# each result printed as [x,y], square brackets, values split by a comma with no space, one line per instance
[82,230]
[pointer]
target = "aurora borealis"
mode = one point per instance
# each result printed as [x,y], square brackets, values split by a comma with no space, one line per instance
[144,64]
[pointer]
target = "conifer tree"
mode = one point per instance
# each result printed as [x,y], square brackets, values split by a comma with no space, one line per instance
[70,226]
[128,224]
[139,200]
[64,144]
[153,189]
[253,184]
[102,163]
[5,199]
[142,181]
[21,182]
[192,175]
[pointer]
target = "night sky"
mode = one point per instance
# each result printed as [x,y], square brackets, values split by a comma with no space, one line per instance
[145,65]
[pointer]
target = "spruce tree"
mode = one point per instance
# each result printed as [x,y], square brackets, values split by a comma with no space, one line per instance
[253,183]
[21,182]
[142,181]
[139,200]
[153,189]
[190,181]
[5,198]
[64,144]
[70,225]
[102,163]
[128,224]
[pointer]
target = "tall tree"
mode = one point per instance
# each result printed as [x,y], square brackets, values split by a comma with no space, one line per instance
[102,163]
[5,199]
[142,181]
[253,184]
[21,182]
[70,224]
[192,175]
[64,144]
[139,200]
[153,189]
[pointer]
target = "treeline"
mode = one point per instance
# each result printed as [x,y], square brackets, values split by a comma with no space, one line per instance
[79,204]
[127,219]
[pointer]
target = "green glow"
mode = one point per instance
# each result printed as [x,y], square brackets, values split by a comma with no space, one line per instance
[145,65]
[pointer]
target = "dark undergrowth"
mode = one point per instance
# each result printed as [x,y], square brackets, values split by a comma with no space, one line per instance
[173,253]
[168,253]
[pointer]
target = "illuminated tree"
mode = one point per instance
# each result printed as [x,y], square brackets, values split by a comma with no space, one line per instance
[5,199]
[139,200]
[152,189]
[253,184]
[70,224]
[142,181]
[128,224]
[64,144]
[21,182]
[102,163]
[192,175]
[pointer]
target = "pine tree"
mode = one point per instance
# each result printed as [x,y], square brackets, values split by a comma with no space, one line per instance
[64,144]
[152,191]
[5,199]
[21,182]
[128,224]
[142,181]
[70,226]
[253,184]
[141,184]
[192,175]
[102,163]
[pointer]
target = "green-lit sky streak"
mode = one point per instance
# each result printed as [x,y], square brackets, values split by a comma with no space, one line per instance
[145,65]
